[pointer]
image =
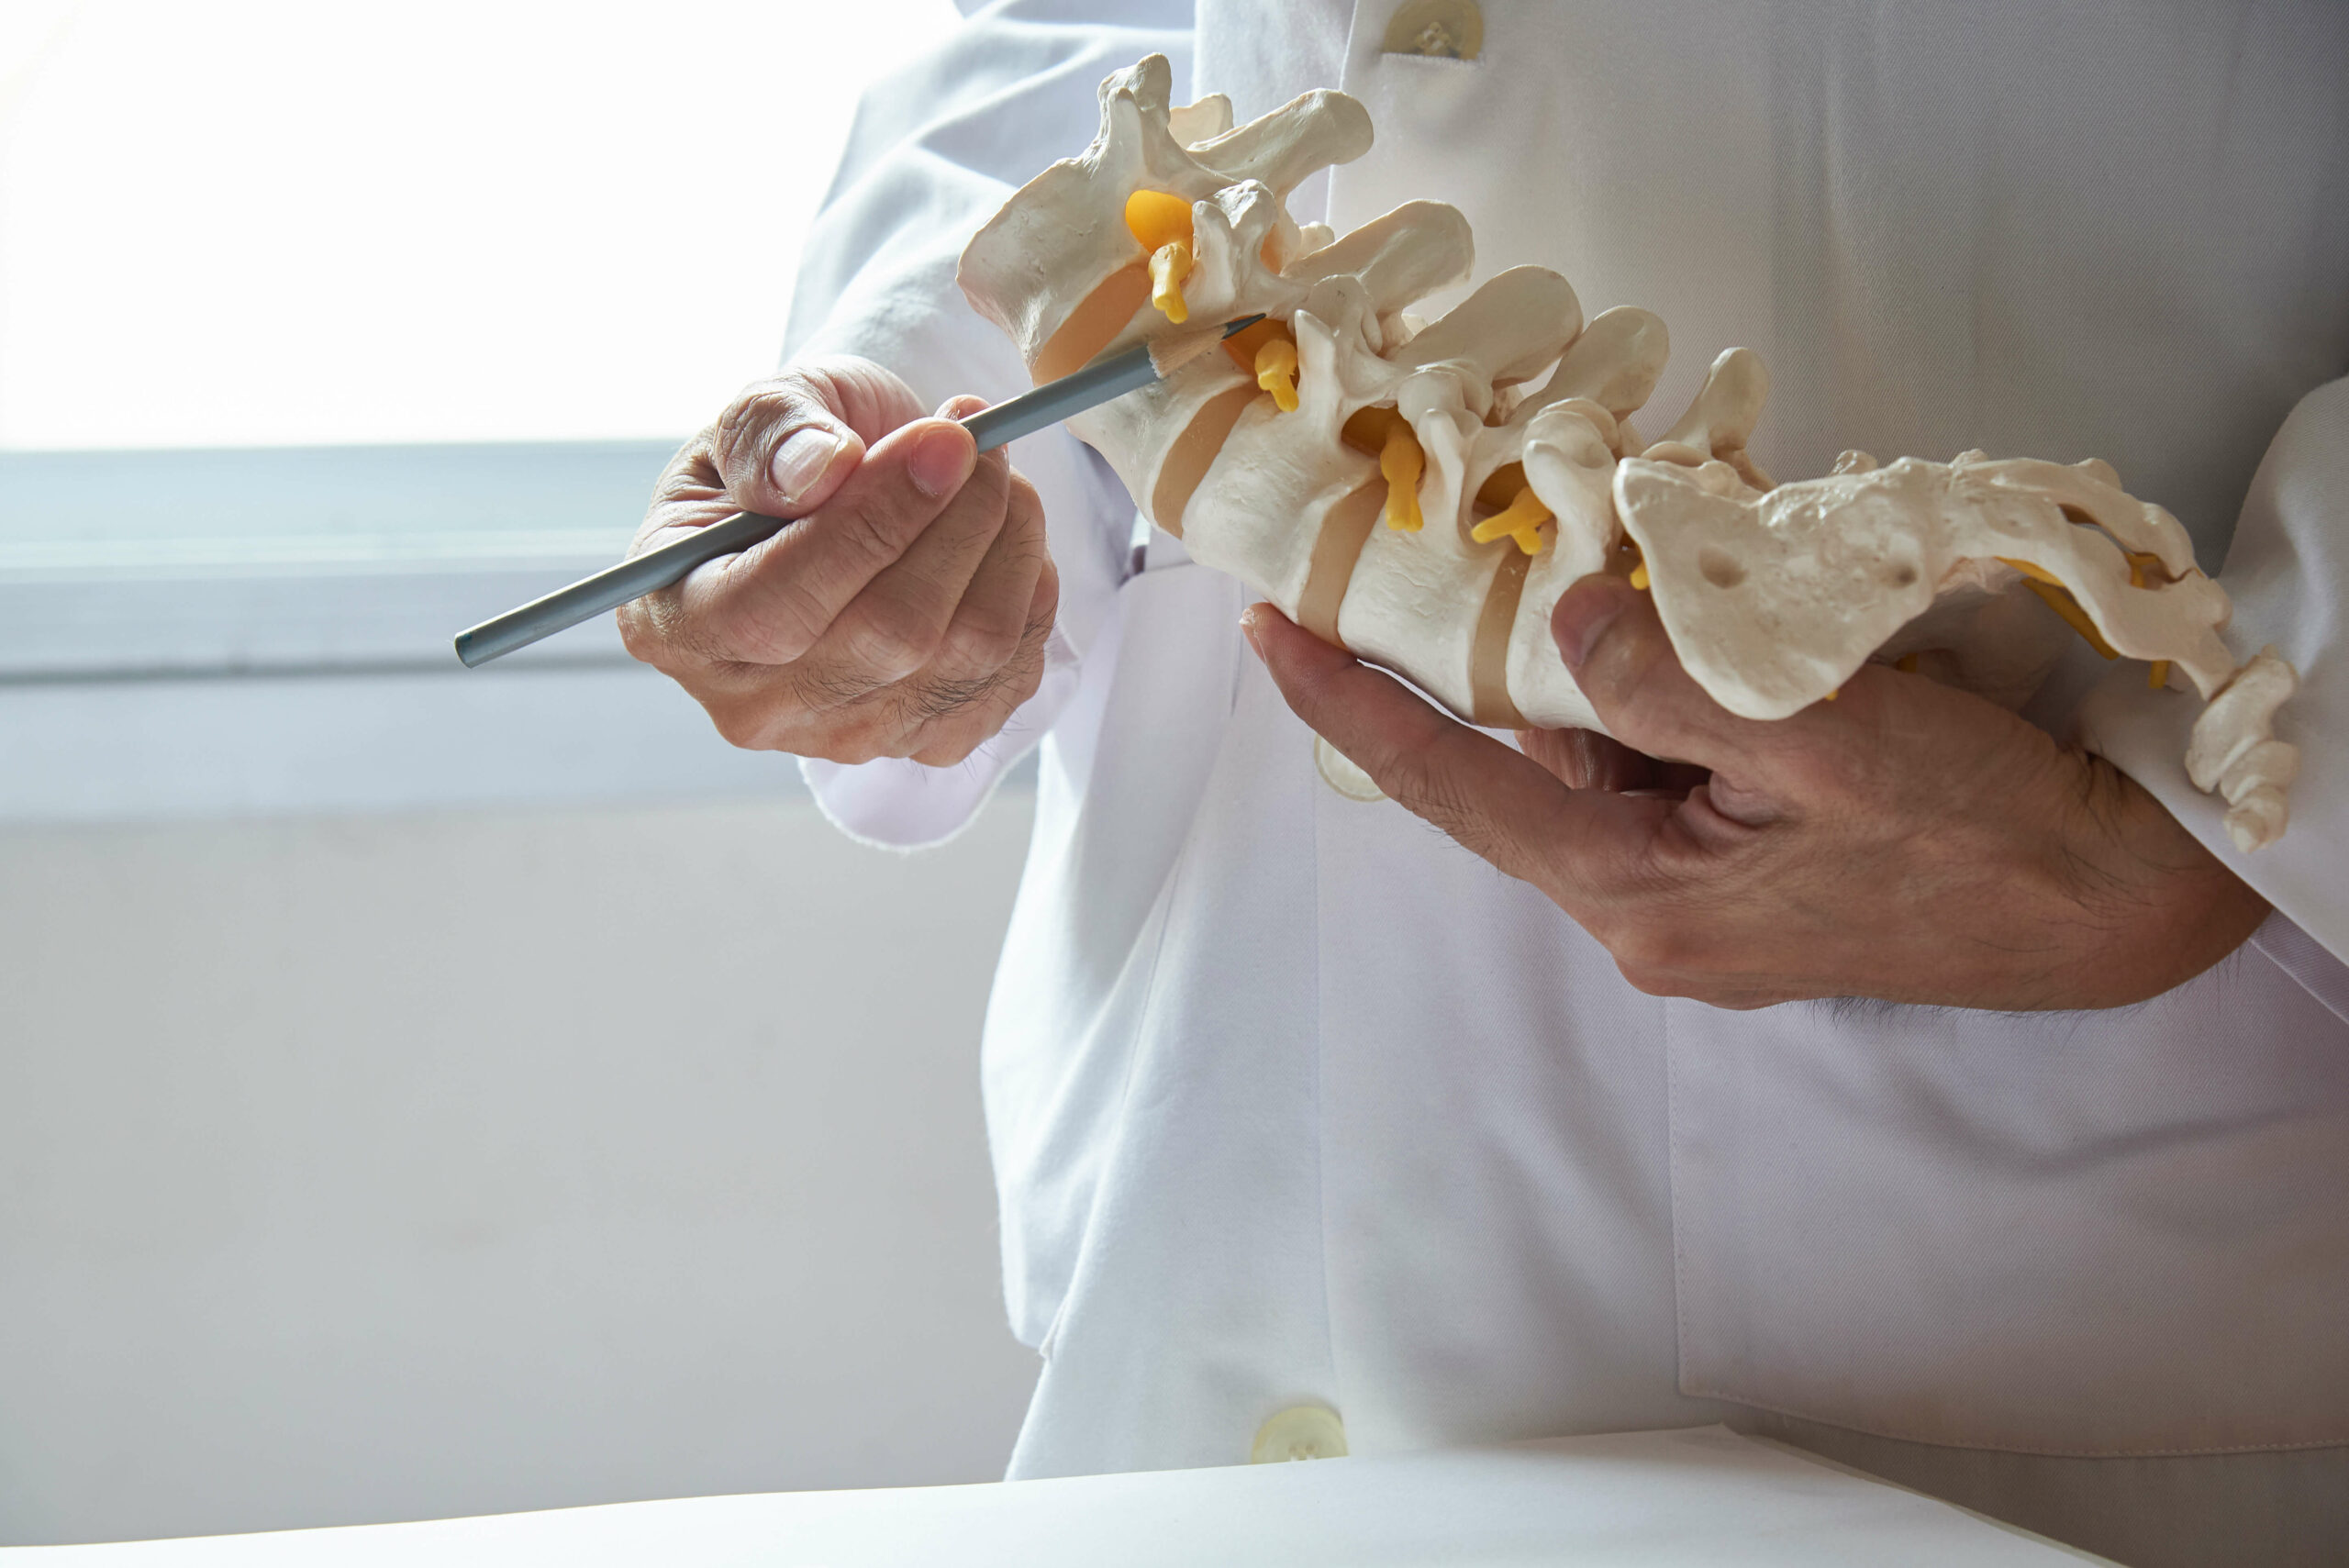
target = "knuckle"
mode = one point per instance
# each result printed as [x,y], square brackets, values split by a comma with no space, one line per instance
[1405,777]
[775,632]
[980,640]
[949,744]
[658,631]
[1023,506]
[874,534]
[1044,607]
[745,726]
[1028,680]
[889,636]
[853,747]
[927,704]
[847,748]
[858,731]
[952,718]
[779,720]
[1434,795]
[770,604]
[1649,945]
[992,485]
[723,628]
[1017,680]
[638,634]
[1648,981]
[760,408]
[828,688]
[687,484]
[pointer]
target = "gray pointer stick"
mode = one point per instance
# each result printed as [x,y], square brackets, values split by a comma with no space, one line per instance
[990,428]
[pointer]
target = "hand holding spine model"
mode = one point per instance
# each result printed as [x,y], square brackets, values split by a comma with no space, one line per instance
[1408,492]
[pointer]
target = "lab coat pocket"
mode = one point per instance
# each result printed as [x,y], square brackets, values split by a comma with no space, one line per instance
[2093,1233]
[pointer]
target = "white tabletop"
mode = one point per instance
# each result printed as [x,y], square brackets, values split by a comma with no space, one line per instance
[1687,1497]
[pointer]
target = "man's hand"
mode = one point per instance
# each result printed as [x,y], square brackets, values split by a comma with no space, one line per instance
[904,615]
[1906,842]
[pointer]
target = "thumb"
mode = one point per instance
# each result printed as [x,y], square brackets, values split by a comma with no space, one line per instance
[1615,645]
[783,445]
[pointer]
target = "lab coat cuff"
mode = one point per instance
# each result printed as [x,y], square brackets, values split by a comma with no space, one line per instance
[2287,573]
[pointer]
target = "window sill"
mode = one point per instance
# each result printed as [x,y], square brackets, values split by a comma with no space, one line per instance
[210,633]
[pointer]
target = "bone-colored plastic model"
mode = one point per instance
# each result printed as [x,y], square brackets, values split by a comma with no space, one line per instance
[1279,460]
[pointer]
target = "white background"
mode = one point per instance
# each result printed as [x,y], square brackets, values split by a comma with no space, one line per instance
[413,1165]
[279,222]
[426,1092]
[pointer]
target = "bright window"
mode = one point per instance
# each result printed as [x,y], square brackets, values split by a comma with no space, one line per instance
[282,222]
[327,330]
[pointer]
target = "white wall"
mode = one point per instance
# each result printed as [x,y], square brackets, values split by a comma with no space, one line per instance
[401,1166]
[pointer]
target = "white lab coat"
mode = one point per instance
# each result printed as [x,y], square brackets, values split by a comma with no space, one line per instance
[1293,1101]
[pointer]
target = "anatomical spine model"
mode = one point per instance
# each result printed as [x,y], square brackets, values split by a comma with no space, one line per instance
[1408,492]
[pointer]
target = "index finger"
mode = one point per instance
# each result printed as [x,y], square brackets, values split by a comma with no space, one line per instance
[772,603]
[1576,845]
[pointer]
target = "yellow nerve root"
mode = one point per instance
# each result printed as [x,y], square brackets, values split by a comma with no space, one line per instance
[2064,605]
[2143,562]
[1156,218]
[1640,576]
[2059,598]
[1400,462]
[1162,224]
[1169,265]
[1521,521]
[1276,373]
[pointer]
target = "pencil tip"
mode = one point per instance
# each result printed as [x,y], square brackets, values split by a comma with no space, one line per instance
[1233,328]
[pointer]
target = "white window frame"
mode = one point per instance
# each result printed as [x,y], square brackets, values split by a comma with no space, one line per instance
[222,632]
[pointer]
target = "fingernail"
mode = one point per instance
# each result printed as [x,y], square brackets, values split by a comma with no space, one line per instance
[1583,616]
[801,461]
[1251,625]
[939,462]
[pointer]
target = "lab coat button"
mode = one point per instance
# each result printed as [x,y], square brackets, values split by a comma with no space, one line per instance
[1302,1431]
[1445,29]
[1338,771]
